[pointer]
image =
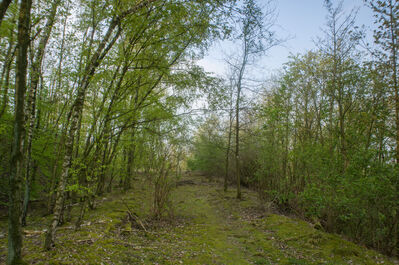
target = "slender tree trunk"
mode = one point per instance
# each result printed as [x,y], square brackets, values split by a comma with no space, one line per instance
[238,179]
[112,176]
[237,129]
[129,166]
[35,77]
[3,8]
[57,150]
[81,213]
[17,159]
[6,73]
[226,173]
[50,237]
[104,164]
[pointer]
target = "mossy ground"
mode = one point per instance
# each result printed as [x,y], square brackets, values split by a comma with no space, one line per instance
[207,226]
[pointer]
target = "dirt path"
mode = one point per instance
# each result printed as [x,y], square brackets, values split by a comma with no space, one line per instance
[240,232]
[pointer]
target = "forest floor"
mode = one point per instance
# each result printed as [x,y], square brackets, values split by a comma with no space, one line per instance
[206,226]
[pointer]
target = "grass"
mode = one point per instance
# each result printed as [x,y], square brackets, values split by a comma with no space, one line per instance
[208,226]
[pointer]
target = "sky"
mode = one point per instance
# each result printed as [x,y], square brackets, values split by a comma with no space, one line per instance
[299,20]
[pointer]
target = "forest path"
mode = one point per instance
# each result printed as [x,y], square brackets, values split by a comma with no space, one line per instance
[206,226]
[235,231]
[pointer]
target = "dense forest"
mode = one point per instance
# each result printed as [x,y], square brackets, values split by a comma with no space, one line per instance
[98,97]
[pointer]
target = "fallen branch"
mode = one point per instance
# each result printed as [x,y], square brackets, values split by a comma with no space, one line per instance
[65,227]
[85,241]
[134,217]
[30,233]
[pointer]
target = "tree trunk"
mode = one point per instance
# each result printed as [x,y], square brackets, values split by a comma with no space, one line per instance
[239,87]
[81,213]
[3,8]
[6,73]
[130,161]
[17,159]
[226,173]
[35,77]
[238,179]
[50,237]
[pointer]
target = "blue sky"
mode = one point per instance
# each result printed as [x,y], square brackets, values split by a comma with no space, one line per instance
[302,20]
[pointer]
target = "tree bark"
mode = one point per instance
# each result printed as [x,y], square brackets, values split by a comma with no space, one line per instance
[239,87]
[3,8]
[17,159]
[6,73]
[226,174]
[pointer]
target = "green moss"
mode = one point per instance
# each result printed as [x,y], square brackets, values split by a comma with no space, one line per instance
[210,227]
[316,246]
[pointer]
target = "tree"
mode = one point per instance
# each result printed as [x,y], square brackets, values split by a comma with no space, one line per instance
[256,37]
[230,131]
[386,36]
[386,14]
[339,45]
[17,157]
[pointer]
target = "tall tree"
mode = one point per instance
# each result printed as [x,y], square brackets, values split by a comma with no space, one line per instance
[386,36]
[386,13]
[230,131]
[17,157]
[339,44]
[256,37]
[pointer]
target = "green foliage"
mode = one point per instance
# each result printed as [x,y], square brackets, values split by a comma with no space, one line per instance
[208,149]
